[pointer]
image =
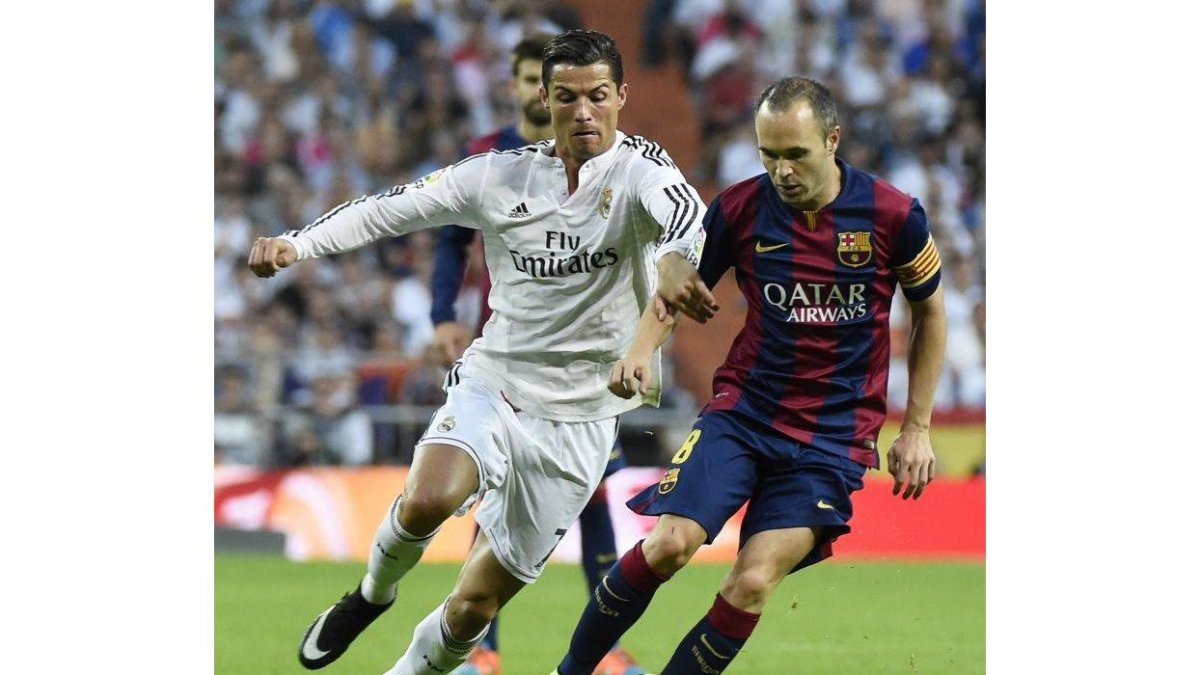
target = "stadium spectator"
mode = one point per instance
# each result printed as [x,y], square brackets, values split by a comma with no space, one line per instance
[236,433]
[964,375]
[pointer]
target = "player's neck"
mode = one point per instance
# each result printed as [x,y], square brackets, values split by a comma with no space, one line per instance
[572,165]
[533,132]
[826,196]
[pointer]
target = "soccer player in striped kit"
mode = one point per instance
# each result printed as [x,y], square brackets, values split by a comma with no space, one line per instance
[818,247]
[597,540]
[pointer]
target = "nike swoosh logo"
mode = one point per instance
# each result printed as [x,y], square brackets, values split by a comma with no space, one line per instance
[821,504]
[385,553]
[310,649]
[704,639]
[610,590]
[759,248]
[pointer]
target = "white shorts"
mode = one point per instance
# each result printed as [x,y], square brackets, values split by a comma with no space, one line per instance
[535,474]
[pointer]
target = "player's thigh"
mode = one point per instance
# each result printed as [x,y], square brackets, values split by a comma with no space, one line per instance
[763,562]
[475,420]
[710,477]
[808,489]
[483,580]
[441,472]
[556,467]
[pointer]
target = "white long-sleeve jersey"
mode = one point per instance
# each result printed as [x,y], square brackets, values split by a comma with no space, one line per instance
[571,274]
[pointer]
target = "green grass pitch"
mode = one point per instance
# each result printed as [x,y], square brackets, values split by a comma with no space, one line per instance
[832,619]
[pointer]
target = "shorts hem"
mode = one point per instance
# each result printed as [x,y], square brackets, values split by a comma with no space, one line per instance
[834,530]
[652,510]
[507,564]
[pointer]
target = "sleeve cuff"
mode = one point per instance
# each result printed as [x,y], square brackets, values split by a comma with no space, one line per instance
[443,316]
[302,249]
[690,248]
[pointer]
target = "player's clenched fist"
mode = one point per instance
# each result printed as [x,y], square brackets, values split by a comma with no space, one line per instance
[629,376]
[271,254]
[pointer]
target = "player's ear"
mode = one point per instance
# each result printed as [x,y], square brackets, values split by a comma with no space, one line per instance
[544,95]
[622,94]
[831,141]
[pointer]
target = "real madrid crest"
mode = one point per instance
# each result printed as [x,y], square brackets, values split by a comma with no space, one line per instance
[606,202]
[669,479]
[854,248]
[447,424]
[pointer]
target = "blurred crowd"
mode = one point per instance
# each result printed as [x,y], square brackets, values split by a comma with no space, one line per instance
[321,101]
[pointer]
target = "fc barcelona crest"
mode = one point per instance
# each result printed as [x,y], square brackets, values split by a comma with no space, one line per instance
[854,248]
[606,202]
[668,481]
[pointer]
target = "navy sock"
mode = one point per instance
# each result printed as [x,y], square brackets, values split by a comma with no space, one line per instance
[599,546]
[713,642]
[617,602]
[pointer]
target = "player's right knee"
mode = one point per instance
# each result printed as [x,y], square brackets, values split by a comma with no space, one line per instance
[667,550]
[749,589]
[468,612]
[423,511]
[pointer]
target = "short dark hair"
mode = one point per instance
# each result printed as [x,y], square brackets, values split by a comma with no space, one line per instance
[782,93]
[581,48]
[529,49]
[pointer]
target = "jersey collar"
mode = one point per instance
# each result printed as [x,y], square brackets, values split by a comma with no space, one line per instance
[599,162]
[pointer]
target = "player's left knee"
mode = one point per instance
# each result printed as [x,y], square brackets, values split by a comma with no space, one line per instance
[749,589]
[469,612]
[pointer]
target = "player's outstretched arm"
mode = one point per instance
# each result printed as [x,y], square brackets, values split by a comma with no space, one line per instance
[680,287]
[911,460]
[271,254]
[631,375]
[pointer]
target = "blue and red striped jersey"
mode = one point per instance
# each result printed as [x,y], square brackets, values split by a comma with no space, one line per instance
[812,359]
[450,253]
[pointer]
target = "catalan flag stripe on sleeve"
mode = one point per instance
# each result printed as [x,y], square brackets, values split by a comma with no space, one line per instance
[922,268]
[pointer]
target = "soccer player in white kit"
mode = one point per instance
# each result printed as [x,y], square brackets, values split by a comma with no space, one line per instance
[580,232]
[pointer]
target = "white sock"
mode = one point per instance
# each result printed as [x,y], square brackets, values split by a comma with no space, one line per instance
[393,554]
[434,649]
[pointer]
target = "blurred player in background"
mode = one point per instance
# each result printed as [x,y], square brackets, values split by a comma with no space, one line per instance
[598,543]
[818,247]
[574,230]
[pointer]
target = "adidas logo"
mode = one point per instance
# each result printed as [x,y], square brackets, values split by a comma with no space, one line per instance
[521,211]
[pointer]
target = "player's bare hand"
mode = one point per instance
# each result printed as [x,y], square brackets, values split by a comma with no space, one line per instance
[680,287]
[662,312]
[271,254]
[450,340]
[629,376]
[911,463]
